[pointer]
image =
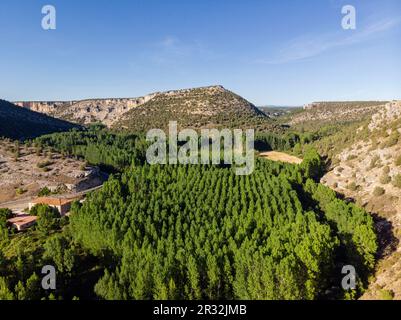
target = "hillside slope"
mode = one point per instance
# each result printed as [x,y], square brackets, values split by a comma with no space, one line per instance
[194,108]
[211,106]
[369,171]
[318,113]
[19,123]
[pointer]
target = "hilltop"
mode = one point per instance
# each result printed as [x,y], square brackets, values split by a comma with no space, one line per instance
[19,123]
[207,107]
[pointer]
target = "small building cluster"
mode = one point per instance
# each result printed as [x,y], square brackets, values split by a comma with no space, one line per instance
[24,221]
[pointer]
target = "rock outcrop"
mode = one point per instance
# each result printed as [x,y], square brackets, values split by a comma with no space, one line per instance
[106,111]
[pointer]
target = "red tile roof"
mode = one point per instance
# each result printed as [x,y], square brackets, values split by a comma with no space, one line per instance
[22,220]
[52,201]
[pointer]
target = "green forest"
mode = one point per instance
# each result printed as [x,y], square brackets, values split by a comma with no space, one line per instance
[190,232]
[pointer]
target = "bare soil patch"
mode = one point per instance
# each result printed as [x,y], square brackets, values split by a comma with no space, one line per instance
[281,156]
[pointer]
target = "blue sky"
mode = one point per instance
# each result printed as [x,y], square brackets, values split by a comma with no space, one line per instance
[286,52]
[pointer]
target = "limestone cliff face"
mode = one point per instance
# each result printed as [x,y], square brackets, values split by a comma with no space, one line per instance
[47,107]
[107,111]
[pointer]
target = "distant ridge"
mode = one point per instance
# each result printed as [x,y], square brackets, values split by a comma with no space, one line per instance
[21,123]
[321,113]
[209,106]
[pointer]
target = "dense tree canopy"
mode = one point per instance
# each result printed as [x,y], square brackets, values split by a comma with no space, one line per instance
[190,232]
[203,232]
[98,147]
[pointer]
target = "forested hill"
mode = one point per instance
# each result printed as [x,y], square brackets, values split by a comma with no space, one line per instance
[19,123]
[207,107]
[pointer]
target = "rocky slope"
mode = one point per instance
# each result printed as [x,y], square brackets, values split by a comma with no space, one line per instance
[326,112]
[370,172]
[24,171]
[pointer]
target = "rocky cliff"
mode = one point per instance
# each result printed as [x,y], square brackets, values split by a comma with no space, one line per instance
[106,111]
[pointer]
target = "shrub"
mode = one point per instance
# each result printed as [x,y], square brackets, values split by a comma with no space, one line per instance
[398,161]
[397,181]
[20,191]
[393,140]
[6,213]
[48,218]
[297,149]
[374,162]
[386,294]
[385,179]
[44,192]
[352,186]
[379,191]
[44,164]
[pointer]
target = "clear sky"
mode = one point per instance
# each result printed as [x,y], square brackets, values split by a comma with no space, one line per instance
[285,52]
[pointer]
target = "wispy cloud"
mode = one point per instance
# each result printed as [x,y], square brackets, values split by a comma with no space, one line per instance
[171,45]
[308,46]
[172,50]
